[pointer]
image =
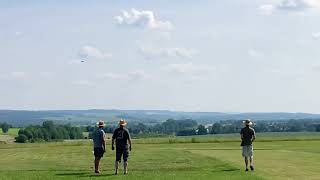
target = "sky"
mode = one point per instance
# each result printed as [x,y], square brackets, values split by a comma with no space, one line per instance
[195,55]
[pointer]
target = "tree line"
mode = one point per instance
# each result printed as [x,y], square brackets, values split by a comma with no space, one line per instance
[5,127]
[190,127]
[48,132]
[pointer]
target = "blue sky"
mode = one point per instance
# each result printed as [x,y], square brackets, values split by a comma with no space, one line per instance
[208,55]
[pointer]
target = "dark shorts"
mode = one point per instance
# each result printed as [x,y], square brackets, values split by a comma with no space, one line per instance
[98,151]
[122,151]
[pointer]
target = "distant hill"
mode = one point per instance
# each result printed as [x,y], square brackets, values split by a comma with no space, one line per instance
[20,118]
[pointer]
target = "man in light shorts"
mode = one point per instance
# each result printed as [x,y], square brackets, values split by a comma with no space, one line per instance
[248,135]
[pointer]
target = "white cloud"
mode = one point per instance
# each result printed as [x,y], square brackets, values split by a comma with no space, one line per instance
[145,19]
[267,9]
[18,33]
[289,75]
[255,53]
[47,75]
[290,6]
[81,83]
[150,53]
[191,69]
[293,5]
[316,68]
[114,76]
[18,74]
[75,61]
[137,75]
[88,52]
[13,75]
[316,35]
[133,75]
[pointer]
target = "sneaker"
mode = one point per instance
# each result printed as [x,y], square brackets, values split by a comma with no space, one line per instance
[247,169]
[252,168]
[97,172]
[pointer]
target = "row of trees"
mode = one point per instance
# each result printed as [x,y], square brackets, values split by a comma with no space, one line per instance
[48,132]
[5,127]
[190,127]
[310,125]
[185,127]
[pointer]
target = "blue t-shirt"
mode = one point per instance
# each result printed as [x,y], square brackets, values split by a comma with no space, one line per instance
[98,137]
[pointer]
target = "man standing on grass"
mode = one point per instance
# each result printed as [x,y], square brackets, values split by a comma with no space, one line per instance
[99,149]
[121,137]
[248,135]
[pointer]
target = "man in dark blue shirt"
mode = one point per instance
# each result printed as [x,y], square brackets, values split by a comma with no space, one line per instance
[99,145]
[121,137]
[248,135]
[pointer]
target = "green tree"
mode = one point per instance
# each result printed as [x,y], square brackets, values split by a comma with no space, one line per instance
[21,138]
[48,125]
[5,127]
[187,132]
[28,133]
[202,130]
[216,128]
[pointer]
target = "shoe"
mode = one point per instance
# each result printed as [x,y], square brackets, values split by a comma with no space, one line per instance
[247,169]
[252,168]
[116,173]
[97,172]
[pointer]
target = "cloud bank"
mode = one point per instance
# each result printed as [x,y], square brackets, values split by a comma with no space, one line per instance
[87,52]
[143,19]
[290,6]
[151,52]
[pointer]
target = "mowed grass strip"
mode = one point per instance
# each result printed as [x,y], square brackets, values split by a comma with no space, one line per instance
[222,138]
[74,160]
[273,160]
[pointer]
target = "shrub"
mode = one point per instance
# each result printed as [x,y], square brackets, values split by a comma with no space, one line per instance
[21,138]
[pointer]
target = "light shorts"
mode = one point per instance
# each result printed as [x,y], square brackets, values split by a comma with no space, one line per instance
[247,151]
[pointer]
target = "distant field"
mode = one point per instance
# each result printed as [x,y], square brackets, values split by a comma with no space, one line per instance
[288,157]
[261,137]
[11,132]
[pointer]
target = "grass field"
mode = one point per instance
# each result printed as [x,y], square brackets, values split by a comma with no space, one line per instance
[289,156]
[12,132]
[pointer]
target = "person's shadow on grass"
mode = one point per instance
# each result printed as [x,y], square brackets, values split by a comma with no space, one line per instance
[83,174]
[227,170]
[96,175]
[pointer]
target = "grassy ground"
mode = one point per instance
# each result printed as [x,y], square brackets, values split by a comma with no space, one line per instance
[9,136]
[74,160]
[12,132]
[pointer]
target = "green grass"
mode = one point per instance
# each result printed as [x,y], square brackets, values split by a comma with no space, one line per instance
[12,132]
[222,138]
[283,158]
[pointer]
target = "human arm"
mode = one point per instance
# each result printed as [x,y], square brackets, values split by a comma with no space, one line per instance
[113,141]
[130,148]
[129,141]
[104,142]
[241,134]
[253,136]
[112,147]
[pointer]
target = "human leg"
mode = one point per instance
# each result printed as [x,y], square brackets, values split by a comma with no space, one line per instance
[116,167]
[98,154]
[96,164]
[125,160]
[118,159]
